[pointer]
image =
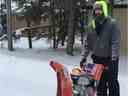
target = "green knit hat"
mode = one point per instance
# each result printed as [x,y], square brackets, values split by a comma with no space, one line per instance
[104,7]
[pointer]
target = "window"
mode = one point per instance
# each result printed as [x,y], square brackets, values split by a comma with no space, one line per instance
[120,2]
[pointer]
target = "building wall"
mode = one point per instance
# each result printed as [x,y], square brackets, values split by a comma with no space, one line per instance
[121,14]
[18,23]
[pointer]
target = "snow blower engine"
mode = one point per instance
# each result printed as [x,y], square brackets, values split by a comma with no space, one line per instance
[85,80]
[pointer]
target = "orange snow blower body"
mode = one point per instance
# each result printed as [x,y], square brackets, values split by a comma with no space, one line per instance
[64,87]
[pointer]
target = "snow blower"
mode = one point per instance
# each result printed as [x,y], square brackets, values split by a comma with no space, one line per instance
[77,82]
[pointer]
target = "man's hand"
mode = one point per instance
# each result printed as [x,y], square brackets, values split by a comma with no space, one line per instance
[82,62]
[115,60]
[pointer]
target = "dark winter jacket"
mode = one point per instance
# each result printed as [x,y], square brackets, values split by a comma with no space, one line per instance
[105,44]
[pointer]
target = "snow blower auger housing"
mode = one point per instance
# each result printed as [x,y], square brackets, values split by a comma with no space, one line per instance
[78,82]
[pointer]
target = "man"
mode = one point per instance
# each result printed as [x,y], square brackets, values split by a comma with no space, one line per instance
[106,39]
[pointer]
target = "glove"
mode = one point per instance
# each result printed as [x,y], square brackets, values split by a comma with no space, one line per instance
[115,60]
[82,62]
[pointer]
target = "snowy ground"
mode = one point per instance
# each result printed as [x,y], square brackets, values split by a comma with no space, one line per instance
[26,72]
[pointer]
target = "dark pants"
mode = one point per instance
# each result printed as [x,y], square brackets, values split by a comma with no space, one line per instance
[109,80]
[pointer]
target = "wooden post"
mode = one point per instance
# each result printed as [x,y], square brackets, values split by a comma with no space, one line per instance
[29,34]
[29,39]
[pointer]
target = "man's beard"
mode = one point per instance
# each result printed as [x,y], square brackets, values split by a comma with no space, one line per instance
[99,19]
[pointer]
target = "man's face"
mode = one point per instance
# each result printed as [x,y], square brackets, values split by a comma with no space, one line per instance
[98,12]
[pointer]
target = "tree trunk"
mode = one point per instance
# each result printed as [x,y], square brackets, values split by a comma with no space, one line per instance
[71,29]
[70,41]
[53,24]
[9,25]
